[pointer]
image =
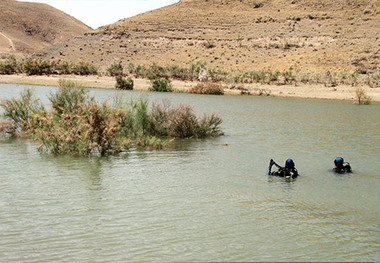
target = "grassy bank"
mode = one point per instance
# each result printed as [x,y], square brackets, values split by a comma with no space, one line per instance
[198,78]
[198,71]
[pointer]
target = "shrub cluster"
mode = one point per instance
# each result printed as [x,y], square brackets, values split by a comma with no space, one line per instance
[43,67]
[124,84]
[115,69]
[9,66]
[209,44]
[78,125]
[198,71]
[168,72]
[161,85]
[291,76]
[181,121]
[207,88]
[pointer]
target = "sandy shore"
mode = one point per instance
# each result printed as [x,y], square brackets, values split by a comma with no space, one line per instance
[306,91]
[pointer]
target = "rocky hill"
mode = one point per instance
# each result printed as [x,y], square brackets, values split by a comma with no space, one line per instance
[307,35]
[28,27]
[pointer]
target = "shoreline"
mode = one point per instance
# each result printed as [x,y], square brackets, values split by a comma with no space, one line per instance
[303,91]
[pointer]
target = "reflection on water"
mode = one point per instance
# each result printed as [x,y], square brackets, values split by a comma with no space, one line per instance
[203,200]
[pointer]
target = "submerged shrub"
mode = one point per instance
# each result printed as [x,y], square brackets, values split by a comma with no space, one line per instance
[21,112]
[6,128]
[124,84]
[181,121]
[91,128]
[161,85]
[362,97]
[77,124]
[135,120]
[68,98]
[207,88]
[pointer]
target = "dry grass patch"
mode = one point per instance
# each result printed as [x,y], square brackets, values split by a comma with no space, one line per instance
[209,88]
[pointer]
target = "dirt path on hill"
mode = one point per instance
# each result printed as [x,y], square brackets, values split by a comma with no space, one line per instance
[10,42]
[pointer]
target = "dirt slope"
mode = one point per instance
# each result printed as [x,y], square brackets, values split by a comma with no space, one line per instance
[308,35]
[28,27]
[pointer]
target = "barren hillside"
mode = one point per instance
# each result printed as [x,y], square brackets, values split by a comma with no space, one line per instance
[28,27]
[308,35]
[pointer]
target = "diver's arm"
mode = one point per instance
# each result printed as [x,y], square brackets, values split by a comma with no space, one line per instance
[278,166]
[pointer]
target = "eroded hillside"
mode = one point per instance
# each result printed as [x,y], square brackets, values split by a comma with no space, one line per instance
[307,35]
[28,27]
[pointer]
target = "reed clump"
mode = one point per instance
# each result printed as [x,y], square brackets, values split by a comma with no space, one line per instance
[76,124]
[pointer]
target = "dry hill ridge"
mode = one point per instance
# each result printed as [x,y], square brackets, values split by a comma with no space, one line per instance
[28,27]
[309,35]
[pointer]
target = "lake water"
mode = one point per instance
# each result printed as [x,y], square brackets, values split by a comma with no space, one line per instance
[203,200]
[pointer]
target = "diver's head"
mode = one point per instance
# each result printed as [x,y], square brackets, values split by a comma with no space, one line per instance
[338,161]
[289,164]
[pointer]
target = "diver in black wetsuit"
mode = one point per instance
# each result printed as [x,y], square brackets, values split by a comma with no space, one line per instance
[289,171]
[341,166]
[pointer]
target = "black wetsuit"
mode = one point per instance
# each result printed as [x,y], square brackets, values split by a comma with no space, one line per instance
[345,168]
[283,171]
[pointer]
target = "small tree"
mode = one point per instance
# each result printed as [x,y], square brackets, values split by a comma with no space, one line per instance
[115,69]
[124,84]
[362,97]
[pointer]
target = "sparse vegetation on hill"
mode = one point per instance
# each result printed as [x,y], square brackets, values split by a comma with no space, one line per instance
[241,36]
[197,71]
[115,69]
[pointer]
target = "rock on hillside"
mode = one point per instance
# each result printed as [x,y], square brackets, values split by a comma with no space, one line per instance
[308,35]
[28,27]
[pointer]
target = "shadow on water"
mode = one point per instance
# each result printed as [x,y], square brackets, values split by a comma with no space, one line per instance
[88,169]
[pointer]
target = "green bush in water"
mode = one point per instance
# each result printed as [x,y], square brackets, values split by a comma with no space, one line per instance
[21,112]
[161,85]
[124,84]
[78,125]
